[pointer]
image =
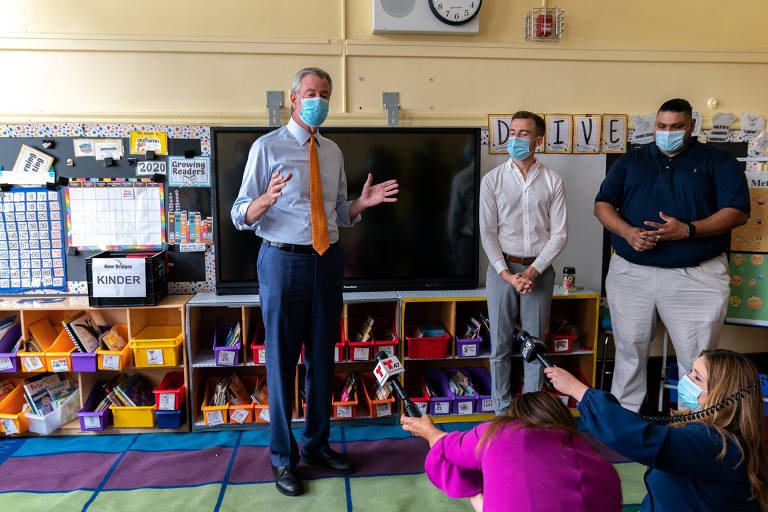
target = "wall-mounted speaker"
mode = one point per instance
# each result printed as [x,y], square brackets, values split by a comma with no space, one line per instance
[416,16]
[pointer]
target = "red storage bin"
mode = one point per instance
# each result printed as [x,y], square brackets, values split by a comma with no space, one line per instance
[427,348]
[170,394]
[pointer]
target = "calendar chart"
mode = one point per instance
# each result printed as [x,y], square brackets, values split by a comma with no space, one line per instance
[115,214]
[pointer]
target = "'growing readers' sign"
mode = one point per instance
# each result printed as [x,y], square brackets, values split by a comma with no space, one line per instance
[189,172]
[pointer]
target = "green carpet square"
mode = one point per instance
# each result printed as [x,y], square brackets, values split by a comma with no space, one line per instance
[377,494]
[203,497]
[34,502]
[325,494]
[632,484]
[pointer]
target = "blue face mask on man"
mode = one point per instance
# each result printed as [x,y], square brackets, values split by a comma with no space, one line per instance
[519,148]
[313,110]
[689,393]
[670,141]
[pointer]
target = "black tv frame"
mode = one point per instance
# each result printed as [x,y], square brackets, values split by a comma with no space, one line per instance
[353,285]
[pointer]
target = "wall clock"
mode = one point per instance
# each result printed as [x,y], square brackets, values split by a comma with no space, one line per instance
[455,12]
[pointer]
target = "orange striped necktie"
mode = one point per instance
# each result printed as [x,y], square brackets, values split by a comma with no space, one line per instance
[320,241]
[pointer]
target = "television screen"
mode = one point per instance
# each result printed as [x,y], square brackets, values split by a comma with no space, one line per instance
[428,239]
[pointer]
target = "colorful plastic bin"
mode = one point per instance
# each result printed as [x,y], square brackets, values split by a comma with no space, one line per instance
[10,362]
[224,355]
[376,408]
[379,343]
[116,360]
[413,382]
[142,416]
[562,343]
[91,421]
[672,378]
[12,409]
[481,379]
[344,410]
[65,413]
[58,358]
[157,345]
[213,414]
[170,394]
[461,405]
[442,403]
[35,361]
[435,347]
[169,419]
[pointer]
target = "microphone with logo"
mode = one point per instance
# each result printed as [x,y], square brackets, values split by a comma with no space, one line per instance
[388,367]
[531,348]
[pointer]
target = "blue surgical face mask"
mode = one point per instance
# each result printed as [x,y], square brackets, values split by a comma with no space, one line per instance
[670,141]
[519,148]
[689,393]
[313,110]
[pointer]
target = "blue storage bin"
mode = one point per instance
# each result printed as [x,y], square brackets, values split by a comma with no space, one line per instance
[764,384]
[169,419]
[672,378]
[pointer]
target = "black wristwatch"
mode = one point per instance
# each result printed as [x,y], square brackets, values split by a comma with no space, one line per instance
[691,230]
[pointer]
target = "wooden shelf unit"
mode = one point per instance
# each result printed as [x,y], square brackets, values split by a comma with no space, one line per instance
[170,311]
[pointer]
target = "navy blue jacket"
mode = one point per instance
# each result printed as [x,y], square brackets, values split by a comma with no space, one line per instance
[683,471]
[690,186]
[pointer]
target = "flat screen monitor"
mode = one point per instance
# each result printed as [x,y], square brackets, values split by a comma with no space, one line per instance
[428,239]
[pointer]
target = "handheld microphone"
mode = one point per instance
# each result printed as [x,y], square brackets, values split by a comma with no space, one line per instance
[531,348]
[388,367]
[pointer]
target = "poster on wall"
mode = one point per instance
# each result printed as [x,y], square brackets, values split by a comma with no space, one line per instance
[748,287]
[32,167]
[498,129]
[586,133]
[190,221]
[753,236]
[615,133]
[559,136]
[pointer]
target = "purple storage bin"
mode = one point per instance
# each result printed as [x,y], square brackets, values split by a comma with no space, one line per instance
[438,405]
[222,355]
[473,347]
[94,421]
[83,361]
[459,404]
[7,360]
[481,379]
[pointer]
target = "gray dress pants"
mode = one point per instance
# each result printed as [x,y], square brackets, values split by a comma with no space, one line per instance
[505,304]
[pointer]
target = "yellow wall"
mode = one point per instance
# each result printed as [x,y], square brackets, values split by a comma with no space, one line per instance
[211,62]
[204,61]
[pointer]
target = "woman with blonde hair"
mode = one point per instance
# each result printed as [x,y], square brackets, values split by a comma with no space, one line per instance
[531,459]
[713,455]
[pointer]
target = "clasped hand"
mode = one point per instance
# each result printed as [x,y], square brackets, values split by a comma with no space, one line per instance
[643,240]
[523,281]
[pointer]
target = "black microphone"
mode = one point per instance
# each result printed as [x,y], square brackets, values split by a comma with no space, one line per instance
[531,348]
[411,409]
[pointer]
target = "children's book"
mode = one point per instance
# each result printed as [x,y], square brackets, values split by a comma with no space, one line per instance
[83,330]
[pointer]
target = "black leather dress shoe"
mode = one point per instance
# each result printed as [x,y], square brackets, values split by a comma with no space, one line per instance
[286,480]
[332,460]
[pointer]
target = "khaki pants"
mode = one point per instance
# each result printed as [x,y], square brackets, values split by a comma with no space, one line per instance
[691,301]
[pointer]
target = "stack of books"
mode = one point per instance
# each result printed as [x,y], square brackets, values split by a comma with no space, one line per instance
[45,393]
[348,390]
[473,326]
[230,390]
[233,336]
[461,385]
[259,394]
[380,392]
[127,391]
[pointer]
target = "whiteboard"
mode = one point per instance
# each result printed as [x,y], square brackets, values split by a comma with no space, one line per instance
[582,176]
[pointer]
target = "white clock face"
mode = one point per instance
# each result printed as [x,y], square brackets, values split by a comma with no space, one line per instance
[455,12]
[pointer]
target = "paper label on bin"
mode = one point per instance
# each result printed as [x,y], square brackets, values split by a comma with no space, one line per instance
[166,402]
[119,277]
[59,365]
[5,363]
[110,362]
[469,350]
[361,353]
[423,407]
[239,415]
[465,407]
[442,407]
[383,409]
[32,363]
[9,427]
[92,421]
[214,418]
[344,411]
[226,358]
[262,355]
[264,415]
[487,404]
[389,350]
[155,356]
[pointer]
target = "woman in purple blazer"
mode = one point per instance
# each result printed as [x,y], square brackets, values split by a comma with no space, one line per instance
[532,459]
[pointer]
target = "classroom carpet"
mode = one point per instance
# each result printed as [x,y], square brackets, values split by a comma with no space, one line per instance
[230,471]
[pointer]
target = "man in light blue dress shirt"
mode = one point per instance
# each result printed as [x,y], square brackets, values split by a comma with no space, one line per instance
[300,289]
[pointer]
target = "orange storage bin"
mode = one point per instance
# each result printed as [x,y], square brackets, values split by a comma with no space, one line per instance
[116,359]
[213,414]
[46,335]
[376,408]
[344,410]
[12,408]
[58,358]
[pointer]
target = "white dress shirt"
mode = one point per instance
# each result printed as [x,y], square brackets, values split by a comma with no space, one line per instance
[523,217]
[288,220]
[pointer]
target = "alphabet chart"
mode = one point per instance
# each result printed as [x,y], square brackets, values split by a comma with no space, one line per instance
[31,240]
[115,214]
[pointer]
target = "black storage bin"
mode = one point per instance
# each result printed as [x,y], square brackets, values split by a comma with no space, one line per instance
[156,276]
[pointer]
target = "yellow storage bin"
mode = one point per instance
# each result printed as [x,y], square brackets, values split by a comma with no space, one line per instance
[157,345]
[58,358]
[213,414]
[45,334]
[133,417]
[12,408]
[116,359]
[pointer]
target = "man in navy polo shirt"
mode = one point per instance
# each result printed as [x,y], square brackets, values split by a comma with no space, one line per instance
[670,208]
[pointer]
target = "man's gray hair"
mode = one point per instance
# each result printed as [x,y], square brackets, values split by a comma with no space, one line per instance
[309,71]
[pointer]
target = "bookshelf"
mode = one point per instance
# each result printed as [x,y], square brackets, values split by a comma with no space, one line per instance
[170,312]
